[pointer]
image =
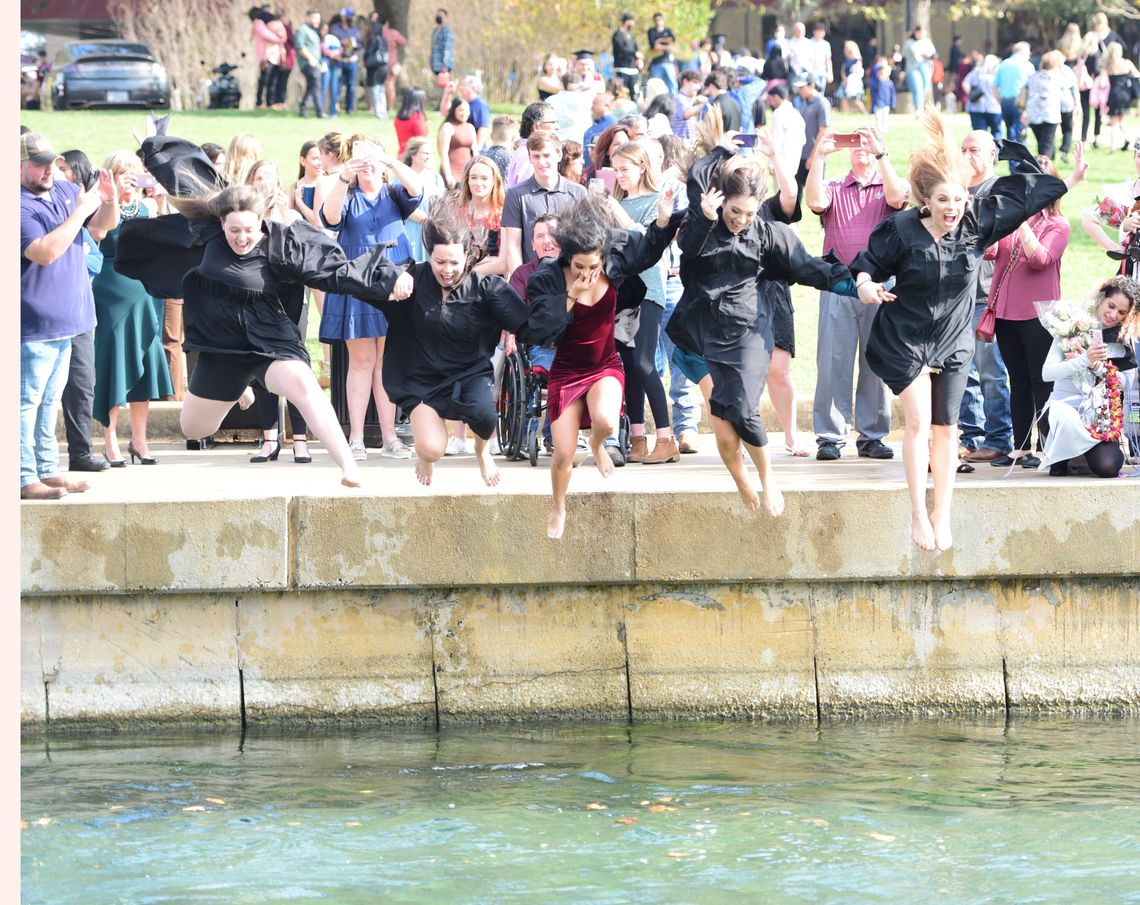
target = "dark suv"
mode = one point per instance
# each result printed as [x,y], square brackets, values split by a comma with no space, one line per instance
[105,74]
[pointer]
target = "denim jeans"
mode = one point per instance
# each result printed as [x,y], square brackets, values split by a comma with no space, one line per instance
[918,81]
[985,418]
[685,394]
[667,72]
[342,74]
[43,373]
[326,86]
[986,122]
[541,357]
[1011,116]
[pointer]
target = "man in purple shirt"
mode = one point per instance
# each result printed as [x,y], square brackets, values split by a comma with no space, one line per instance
[850,208]
[55,304]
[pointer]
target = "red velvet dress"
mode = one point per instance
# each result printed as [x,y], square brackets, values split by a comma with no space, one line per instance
[586,353]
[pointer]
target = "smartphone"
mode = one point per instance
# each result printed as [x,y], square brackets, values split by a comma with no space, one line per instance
[746,140]
[365,150]
[848,140]
[1098,337]
[609,179]
[145,181]
[596,186]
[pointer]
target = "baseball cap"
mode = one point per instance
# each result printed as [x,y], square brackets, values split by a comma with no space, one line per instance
[37,149]
[348,11]
[800,82]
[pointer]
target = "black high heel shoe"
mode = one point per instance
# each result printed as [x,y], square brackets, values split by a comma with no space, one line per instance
[135,454]
[272,457]
[301,460]
[114,463]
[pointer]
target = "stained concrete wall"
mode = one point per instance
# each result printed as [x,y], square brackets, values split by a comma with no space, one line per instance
[794,650]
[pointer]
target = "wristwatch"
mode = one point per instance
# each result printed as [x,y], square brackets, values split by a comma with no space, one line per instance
[345,181]
[881,156]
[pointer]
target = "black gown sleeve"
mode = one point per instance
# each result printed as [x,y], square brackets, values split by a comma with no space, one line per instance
[180,166]
[701,174]
[784,257]
[160,251]
[502,305]
[884,255]
[305,254]
[546,292]
[1013,199]
[628,252]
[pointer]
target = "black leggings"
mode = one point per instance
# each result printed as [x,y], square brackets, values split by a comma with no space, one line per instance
[1105,459]
[1046,135]
[1024,346]
[641,377]
[1066,132]
[1085,118]
[269,411]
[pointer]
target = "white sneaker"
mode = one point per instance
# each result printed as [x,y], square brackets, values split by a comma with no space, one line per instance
[396,449]
[359,453]
[457,447]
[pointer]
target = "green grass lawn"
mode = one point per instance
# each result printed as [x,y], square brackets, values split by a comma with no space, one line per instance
[282,134]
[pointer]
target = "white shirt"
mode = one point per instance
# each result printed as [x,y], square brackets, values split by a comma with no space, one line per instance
[572,107]
[800,53]
[789,134]
[821,57]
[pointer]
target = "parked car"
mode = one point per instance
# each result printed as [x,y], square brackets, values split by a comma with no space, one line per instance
[105,74]
[29,82]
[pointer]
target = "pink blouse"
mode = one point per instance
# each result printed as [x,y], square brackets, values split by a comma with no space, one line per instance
[1034,278]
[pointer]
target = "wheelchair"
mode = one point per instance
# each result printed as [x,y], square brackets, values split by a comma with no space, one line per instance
[522,410]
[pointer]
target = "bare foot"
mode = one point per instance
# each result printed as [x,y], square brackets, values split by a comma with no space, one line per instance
[602,458]
[922,532]
[748,494]
[423,471]
[557,523]
[350,480]
[246,399]
[487,467]
[773,501]
[943,537]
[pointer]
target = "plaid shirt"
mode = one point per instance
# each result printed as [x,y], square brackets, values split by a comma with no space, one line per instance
[442,49]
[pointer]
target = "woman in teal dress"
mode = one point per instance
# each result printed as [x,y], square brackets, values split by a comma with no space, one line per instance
[130,364]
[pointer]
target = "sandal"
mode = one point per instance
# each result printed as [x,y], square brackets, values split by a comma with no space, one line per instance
[396,449]
[359,453]
[797,451]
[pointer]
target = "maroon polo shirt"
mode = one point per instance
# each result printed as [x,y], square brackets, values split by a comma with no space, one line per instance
[853,211]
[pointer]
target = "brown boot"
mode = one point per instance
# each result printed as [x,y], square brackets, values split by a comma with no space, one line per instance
[41,491]
[664,450]
[638,449]
[69,486]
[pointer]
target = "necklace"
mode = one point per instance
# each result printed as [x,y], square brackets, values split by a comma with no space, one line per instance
[129,209]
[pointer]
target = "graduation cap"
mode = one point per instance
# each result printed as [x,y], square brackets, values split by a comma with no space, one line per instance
[583,54]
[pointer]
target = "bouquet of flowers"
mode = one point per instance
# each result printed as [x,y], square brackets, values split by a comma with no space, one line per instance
[1108,212]
[1069,322]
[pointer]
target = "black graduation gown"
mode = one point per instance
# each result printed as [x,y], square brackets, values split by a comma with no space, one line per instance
[724,313]
[245,303]
[438,351]
[930,323]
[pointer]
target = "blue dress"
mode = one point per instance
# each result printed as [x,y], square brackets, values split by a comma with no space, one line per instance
[363,225]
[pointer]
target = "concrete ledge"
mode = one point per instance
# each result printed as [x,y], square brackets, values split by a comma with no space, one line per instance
[828,650]
[190,545]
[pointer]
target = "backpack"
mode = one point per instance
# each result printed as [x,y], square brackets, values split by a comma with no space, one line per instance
[377,52]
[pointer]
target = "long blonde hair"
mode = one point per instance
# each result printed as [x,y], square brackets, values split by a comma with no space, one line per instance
[636,154]
[939,161]
[1071,41]
[244,151]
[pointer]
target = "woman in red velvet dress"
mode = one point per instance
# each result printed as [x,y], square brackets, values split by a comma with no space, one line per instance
[576,299]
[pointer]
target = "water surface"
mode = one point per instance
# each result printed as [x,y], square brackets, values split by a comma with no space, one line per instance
[1034,812]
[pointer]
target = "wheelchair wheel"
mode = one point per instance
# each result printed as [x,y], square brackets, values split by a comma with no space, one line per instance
[532,431]
[512,407]
[623,436]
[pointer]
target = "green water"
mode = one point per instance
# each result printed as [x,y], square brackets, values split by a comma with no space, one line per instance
[1037,811]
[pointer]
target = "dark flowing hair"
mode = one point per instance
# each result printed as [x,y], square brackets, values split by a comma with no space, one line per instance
[305,149]
[218,205]
[80,168]
[584,226]
[412,102]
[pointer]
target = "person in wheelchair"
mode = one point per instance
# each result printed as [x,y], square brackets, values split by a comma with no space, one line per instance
[539,358]
[576,299]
